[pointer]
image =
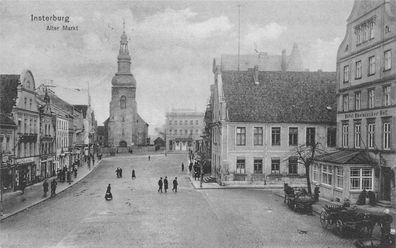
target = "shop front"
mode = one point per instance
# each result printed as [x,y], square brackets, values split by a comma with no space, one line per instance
[25,169]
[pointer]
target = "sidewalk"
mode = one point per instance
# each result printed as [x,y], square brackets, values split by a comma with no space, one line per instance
[15,202]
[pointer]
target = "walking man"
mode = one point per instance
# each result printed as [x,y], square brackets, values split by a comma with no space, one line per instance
[166,184]
[160,185]
[133,174]
[23,184]
[45,188]
[53,187]
[182,167]
[149,157]
[174,189]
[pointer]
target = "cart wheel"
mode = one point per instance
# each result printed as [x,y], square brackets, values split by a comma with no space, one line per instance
[340,227]
[324,219]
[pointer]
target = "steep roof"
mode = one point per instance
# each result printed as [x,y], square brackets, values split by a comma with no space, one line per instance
[83,109]
[60,103]
[8,91]
[280,97]
[347,157]
[6,122]
[141,119]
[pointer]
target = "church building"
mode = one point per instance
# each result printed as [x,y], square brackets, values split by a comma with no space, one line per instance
[125,127]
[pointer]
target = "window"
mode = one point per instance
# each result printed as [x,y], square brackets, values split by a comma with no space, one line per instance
[371,98]
[331,136]
[170,122]
[371,29]
[315,173]
[197,131]
[258,136]
[30,103]
[241,136]
[339,172]
[180,122]
[123,102]
[357,100]
[346,73]
[25,102]
[370,135]
[371,65]
[345,135]
[276,136]
[310,137]
[175,131]
[361,178]
[30,125]
[258,166]
[293,165]
[327,174]
[387,29]
[186,122]
[293,136]
[196,122]
[358,72]
[240,166]
[191,132]
[186,131]
[275,165]
[191,122]
[345,102]
[357,135]
[387,135]
[387,95]
[387,60]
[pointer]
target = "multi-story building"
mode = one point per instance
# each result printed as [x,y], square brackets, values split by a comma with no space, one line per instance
[261,117]
[8,94]
[183,128]
[366,112]
[47,137]
[26,115]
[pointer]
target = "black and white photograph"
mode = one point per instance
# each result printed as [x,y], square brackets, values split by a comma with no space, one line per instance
[198,123]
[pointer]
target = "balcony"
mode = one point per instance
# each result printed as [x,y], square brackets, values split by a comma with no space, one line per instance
[46,137]
[28,137]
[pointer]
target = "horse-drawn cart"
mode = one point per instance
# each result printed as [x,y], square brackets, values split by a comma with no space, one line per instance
[298,199]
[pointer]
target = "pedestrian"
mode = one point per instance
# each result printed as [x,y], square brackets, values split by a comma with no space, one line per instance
[166,184]
[53,187]
[190,167]
[45,188]
[23,184]
[160,185]
[108,195]
[149,157]
[182,167]
[75,172]
[174,189]
[133,174]
[69,177]
[120,172]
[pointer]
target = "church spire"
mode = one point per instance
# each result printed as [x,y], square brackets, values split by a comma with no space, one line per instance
[124,60]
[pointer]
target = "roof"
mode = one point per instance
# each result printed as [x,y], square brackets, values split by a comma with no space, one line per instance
[83,109]
[347,157]
[6,122]
[140,119]
[8,91]
[60,103]
[280,97]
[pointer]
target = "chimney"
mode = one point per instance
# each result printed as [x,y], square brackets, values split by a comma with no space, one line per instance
[256,74]
[283,63]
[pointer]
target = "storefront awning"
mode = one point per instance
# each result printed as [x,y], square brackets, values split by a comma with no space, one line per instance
[347,157]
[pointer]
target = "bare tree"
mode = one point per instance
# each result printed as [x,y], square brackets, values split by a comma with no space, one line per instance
[306,155]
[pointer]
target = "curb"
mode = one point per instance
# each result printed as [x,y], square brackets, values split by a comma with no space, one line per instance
[47,198]
[237,187]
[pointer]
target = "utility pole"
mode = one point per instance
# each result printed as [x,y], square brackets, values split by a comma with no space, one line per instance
[239,33]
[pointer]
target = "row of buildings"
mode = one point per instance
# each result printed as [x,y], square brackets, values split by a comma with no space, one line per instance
[39,132]
[265,116]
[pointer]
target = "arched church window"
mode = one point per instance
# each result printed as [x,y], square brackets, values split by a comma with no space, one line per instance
[123,102]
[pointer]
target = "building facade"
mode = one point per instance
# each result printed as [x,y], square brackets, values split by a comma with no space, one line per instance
[125,127]
[258,122]
[26,115]
[183,128]
[366,106]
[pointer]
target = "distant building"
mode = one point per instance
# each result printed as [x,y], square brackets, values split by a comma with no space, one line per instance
[259,118]
[183,128]
[366,108]
[264,61]
[125,127]
[158,143]
[100,134]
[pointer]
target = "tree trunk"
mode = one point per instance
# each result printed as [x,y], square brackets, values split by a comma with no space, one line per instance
[308,179]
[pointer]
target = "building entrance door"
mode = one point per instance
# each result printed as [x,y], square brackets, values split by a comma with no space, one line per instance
[387,176]
[123,143]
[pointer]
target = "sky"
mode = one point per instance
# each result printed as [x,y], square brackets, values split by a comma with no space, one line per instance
[172,44]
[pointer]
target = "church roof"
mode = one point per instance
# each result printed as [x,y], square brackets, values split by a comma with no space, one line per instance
[280,97]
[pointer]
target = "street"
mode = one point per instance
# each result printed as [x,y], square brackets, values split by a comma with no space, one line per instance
[139,216]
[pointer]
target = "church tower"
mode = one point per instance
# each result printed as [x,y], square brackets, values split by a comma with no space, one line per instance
[123,109]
